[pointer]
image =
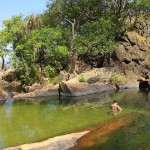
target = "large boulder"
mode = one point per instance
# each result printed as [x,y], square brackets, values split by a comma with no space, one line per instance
[32,88]
[11,75]
[132,55]
[62,142]
[44,92]
[131,85]
[67,88]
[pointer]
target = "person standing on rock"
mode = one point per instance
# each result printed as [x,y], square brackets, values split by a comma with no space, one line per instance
[115,107]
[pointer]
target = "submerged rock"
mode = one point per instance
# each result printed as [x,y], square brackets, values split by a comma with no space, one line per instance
[121,86]
[63,142]
[101,133]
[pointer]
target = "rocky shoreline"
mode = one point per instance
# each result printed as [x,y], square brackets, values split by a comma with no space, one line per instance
[74,88]
[63,142]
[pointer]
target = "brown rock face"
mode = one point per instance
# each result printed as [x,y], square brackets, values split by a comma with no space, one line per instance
[79,89]
[143,28]
[75,66]
[133,55]
[2,96]
[131,58]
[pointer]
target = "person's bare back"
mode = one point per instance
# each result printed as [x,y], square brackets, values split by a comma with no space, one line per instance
[115,107]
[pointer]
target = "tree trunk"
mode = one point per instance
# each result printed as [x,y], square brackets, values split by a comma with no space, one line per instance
[72,33]
[41,69]
[3,62]
[72,36]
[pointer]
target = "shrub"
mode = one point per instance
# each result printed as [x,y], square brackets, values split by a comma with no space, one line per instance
[116,78]
[81,78]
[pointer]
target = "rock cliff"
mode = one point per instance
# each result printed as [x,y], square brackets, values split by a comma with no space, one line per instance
[131,58]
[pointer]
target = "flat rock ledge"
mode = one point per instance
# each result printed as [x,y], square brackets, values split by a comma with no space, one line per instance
[63,142]
[74,89]
[67,89]
[53,91]
[80,89]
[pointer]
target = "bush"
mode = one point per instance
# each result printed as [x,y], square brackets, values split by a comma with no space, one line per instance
[81,78]
[49,71]
[116,78]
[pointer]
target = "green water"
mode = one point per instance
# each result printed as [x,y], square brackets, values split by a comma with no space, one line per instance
[30,121]
[134,136]
[38,119]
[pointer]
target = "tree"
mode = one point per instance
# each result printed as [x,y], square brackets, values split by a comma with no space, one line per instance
[49,49]
[3,47]
[41,43]
[2,54]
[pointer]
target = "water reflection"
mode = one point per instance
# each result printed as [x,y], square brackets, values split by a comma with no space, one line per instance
[145,94]
[89,100]
[8,107]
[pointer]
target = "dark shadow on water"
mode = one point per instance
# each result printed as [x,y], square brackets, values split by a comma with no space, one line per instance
[145,94]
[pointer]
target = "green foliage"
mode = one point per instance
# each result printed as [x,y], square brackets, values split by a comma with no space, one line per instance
[2,53]
[41,43]
[35,47]
[49,72]
[116,78]
[53,80]
[141,9]
[81,78]
[96,38]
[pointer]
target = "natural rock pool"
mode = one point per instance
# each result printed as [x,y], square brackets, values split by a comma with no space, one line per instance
[27,121]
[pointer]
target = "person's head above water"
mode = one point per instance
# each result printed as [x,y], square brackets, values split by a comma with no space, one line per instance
[115,101]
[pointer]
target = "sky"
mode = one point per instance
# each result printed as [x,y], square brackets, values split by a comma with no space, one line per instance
[9,8]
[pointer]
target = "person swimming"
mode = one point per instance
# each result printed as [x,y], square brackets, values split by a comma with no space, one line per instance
[115,107]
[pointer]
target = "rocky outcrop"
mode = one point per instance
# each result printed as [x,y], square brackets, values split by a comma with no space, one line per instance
[63,142]
[74,68]
[10,75]
[121,86]
[67,88]
[80,89]
[45,92]
[132,56]
[32,88]
[3,96]
[73,87]
[143,28]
